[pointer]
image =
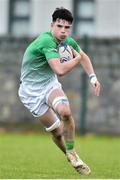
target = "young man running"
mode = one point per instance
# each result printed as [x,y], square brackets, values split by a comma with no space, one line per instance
[41,92]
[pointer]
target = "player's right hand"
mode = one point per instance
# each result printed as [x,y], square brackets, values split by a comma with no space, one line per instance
[75,53]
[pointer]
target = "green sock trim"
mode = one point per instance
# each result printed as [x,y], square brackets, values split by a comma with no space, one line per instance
[69,145]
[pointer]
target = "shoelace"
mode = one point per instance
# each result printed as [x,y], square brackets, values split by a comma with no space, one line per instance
[73,156]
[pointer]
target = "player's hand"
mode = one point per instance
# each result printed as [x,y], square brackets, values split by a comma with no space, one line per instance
[96,86]
[75,53]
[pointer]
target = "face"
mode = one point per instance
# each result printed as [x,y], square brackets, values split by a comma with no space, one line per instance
[60,29]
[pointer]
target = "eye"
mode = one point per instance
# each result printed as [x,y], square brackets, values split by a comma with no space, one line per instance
[59,26]
[67,27]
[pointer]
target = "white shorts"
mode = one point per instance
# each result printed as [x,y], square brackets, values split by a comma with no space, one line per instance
[37,100]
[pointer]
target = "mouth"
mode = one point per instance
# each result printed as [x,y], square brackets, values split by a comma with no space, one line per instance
[62,36]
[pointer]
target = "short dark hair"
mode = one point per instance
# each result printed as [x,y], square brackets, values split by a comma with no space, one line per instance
[62,13]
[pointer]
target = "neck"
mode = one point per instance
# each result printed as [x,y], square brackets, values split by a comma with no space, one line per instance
[57,40]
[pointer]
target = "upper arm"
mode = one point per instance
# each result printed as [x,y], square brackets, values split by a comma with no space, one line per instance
[50,52]
[49,49]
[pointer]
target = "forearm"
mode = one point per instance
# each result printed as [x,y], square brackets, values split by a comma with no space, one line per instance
[69,65]
[88,67]
[62,68]
[86,64]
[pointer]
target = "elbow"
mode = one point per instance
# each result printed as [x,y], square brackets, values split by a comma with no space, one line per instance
[60,75]
[60,72]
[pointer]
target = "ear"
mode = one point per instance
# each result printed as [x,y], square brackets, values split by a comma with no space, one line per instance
[51,24]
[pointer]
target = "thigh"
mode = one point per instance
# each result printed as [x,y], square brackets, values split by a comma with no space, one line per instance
[48,119]
[54,94]
[58,101]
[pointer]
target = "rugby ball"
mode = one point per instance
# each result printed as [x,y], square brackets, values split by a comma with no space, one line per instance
[65,53]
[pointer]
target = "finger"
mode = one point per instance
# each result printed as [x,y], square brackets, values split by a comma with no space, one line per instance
[97,90]
[75,53]
[96,87]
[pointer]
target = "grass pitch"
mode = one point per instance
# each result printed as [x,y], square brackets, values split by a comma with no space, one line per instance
[35,156]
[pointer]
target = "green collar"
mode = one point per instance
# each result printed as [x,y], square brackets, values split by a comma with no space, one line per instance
[57,42]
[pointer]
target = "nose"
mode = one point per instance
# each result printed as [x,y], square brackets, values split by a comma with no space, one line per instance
[63,30]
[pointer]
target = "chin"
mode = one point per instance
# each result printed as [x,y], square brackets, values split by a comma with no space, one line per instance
[62,38]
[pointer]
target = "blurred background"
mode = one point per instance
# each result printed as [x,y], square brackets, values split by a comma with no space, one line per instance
[97,29]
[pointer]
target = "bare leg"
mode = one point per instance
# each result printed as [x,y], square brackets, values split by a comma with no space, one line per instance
[59,139]
[69,128]
[65,115]
[63,109]
[47,120]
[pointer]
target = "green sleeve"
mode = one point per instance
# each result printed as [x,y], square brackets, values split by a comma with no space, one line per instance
[49,49]
[74,44]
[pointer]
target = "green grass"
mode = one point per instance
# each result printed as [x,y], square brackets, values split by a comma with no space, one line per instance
[34,156]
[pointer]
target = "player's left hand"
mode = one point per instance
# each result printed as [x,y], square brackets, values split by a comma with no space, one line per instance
[96,86]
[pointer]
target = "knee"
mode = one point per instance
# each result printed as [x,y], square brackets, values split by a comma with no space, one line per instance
[65,112]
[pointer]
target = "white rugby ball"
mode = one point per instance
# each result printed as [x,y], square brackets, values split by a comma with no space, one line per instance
[65,53]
